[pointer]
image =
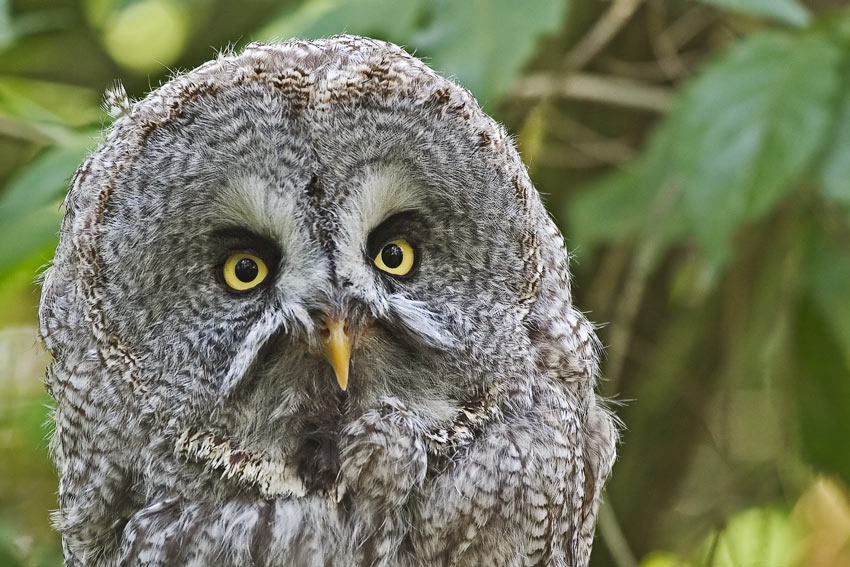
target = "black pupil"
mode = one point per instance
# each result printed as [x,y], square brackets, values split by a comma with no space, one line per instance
[392,255]
[246,270]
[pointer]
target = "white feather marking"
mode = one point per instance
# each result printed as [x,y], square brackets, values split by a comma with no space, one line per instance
[416,317]
[262,330]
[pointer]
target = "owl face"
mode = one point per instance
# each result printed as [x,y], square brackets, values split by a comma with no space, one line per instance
[277,264]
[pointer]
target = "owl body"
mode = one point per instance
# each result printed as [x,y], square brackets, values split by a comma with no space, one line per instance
[308,309]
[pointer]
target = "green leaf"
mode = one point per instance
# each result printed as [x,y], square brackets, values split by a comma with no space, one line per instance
[7,33]
[384,19]
[785,11]
[45,101]
[828,282]
[754,537]
[664,559]
[745,131]
[752,123]
[8,557]
[29,205]
[34,234]
[834,175]
[823,350]
[737,140]
[485,43]
[822,390]
[636,202]
[611,209]
[43,180]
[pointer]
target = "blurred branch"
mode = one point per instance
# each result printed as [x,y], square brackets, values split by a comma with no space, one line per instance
[567,157]
[603,288]
[20,130]
[607,151]
[657,70]
[610,150]
[688,26]
[41,133]
[590,153]
[667,39]
[607,26]
[665,48]
[585,146]
[593,88]
[613,536]
[648,250]
[715,540]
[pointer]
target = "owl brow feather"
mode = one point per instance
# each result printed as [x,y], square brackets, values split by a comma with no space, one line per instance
[416,317]
[273,320]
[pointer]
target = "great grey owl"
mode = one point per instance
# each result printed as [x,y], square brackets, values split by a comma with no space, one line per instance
[308,309]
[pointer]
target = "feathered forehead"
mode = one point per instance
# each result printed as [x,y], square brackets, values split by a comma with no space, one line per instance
[311,76]
[319,75]
[310,79]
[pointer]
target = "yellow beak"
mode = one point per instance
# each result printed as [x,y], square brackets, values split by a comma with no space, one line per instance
[337,346]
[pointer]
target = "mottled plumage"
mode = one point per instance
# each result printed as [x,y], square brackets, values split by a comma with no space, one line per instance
[198,425]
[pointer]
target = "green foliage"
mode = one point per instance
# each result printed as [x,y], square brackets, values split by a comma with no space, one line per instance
[753,122]
[753,537]
[739,138]
[822,391]
[330,17]
[8,556]
[127,34]
[828,281]
[715,237]
[834,175]
[485,43]
[43,102]
[785,11]
[30,206]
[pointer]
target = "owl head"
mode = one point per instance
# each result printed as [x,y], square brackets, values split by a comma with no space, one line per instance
[281,239]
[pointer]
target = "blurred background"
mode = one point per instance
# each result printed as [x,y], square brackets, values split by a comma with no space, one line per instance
[696,155]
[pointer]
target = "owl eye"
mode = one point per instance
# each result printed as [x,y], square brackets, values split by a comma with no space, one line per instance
[244,271]
[395,257]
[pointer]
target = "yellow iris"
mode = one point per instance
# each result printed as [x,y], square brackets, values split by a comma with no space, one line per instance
[243,271]
[396,257]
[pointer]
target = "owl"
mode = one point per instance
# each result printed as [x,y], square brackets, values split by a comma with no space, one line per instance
[308,309]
